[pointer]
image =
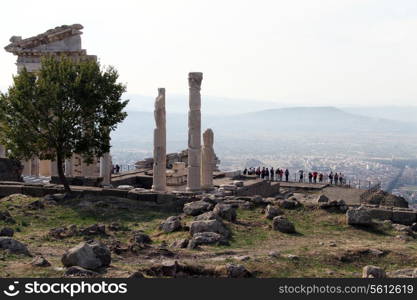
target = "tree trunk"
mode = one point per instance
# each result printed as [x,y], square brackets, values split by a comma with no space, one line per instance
[61,174]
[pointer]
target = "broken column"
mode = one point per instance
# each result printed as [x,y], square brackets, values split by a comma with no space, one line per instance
[159,143]
[207,160]
[194,132]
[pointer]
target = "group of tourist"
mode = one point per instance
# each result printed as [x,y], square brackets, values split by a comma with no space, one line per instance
[115,169]
[279,175]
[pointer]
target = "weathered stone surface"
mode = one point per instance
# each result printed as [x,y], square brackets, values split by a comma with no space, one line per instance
[373,272]
[288,203]
[95,229]
[137,275]
[380,213]
[403,217]
[194,132]
[36,205]
[205,238]
[209,226]
[196,208]
[13,246]
[171,224]
[208,162]
[40,261]
[6,217]
[358,216]
[159,143]
[225,211]
[272,211]
[91,255]
[80,272]
[207,216]
[282,224]
[7,231]
[141,238]
[322,198]
[183,243]
[233,271]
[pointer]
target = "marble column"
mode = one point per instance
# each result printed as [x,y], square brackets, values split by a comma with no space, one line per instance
[105,163]
[194,132]
[2,151]
[159,143]
[54,168]
[68,167]
[207,160]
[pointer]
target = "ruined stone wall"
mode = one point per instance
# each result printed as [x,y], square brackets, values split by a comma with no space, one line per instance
[262,188]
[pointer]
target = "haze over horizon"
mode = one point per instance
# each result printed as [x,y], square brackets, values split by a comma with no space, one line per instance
[302,52]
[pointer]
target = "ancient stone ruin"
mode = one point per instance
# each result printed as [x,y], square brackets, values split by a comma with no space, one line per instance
[60,41]
[159,138]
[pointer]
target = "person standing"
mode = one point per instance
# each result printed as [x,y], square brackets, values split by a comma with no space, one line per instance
[321,177]
[301,172]
[310,176]
[315,176]
[272,173]
[331,177]
[336,178]
[287,174]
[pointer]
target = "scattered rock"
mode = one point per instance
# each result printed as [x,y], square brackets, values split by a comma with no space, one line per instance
[233,271]
[242,258]
[205,238]
[352,255]
[373,272]
[196,208]
[209,226]
[292,257]
[79,271]
[290,203]
[207,216]
[238,183]
[115,227]
[95,229]
[141,238]
[6,217]
[7,231]
[282,224]
[13,246]
[179,270]
[40,261]
[322,198]
[171,224]
[272,211]
[358,216]
[137,274]
[225,211]
[183,243]
[274,254]
[38,204]
[91,255]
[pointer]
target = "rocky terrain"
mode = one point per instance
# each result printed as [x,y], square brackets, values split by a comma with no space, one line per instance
[291,235]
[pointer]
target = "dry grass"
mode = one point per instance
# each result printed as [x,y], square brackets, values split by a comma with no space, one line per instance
[321,239]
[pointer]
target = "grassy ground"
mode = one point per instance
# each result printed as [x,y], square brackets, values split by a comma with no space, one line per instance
[324,244]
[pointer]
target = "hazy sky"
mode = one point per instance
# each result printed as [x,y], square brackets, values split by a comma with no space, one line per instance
[294,51]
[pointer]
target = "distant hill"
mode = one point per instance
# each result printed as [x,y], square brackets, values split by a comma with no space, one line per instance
[137,129]
[396,113]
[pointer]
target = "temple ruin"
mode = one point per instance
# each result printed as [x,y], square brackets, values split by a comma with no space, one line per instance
[61,41]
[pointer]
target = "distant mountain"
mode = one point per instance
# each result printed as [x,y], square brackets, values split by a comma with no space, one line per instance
[137,129]
[302,120]
[210,105]
[396,113]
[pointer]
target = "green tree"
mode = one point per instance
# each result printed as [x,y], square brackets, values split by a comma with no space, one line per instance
[66,107]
